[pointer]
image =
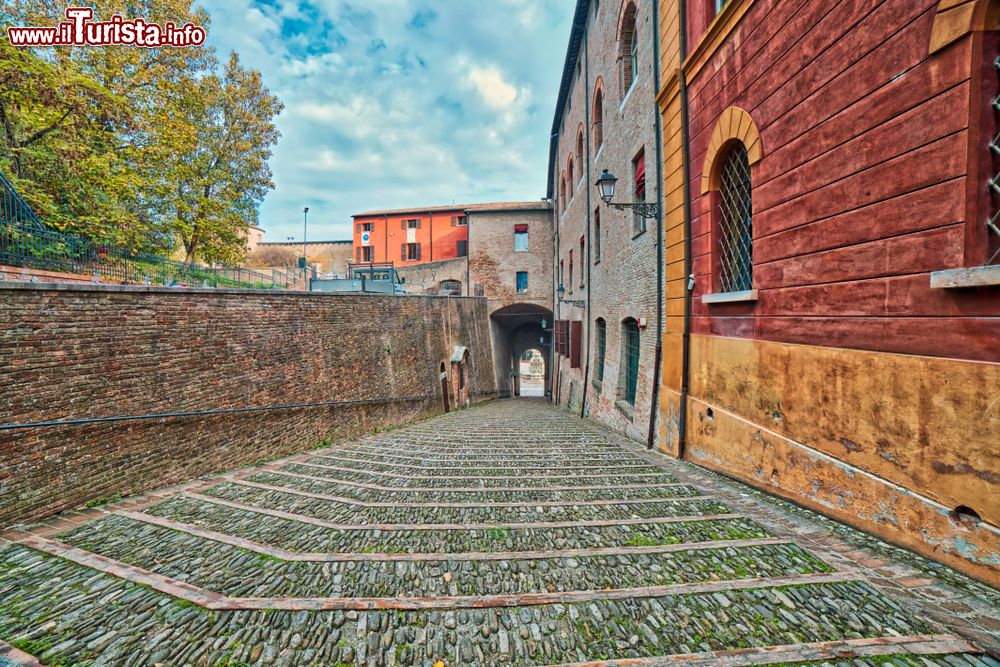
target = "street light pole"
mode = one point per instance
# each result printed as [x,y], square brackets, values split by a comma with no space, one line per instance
[305,235]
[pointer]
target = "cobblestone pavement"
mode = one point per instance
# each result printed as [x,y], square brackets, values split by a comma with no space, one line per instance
[508,534]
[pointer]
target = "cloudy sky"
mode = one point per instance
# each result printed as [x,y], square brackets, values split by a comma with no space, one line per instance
[395,103]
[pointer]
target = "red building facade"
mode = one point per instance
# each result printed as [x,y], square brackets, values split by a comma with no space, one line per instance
[844,321]
[409,237]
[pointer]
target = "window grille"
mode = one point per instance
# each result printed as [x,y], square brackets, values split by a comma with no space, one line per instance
[630,360]
[602,349]
[993,222]
[451,287]
[736,222]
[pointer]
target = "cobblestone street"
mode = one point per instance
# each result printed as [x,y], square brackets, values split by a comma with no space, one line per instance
[511,533]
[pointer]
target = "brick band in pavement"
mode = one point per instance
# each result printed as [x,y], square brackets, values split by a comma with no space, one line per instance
[516,470]
[469,489]
[216,602]
[528,503]
[461,526]
[292,556]
[627,475]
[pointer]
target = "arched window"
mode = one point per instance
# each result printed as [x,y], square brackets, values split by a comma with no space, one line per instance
[735,221]
[562,194]
[628,44]
[579,148]
[599,118]
[628,380]
[601,350]
[451,287]
[572,181]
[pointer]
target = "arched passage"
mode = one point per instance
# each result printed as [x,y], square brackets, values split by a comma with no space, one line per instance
[517,329]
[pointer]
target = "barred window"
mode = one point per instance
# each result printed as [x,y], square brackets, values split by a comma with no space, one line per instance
[735,213]
[993,186]
[602,348]
[629,375]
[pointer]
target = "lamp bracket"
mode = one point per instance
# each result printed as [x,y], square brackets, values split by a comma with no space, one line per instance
[649,211]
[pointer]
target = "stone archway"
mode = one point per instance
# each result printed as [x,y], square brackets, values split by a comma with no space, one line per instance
[516,329]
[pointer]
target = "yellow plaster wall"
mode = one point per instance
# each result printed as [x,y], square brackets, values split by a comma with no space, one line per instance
[890,443]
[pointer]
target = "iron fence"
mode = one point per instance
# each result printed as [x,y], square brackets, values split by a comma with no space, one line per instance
[26,242]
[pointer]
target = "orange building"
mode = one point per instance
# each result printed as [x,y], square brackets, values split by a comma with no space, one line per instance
[411,236]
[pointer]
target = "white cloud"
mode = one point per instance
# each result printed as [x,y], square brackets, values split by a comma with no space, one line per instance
[490,84]
[379,113]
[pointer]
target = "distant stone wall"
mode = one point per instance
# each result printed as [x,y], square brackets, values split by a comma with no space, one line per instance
[88,351]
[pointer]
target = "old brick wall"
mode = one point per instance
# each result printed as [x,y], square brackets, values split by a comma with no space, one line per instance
[622,281]
[426,278]
[93,351]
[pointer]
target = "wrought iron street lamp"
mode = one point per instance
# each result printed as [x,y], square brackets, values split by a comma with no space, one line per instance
[561,292]
[606,188]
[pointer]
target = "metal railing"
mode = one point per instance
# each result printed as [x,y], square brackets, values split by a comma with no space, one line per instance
[26,242]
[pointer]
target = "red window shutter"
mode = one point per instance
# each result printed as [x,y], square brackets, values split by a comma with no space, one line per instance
[575,343]
[520,229]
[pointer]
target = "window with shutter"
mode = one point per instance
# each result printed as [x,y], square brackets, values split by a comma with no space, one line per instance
[358,228]
[359,255]
[402,253]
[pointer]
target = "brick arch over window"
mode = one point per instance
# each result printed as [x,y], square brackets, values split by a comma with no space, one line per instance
[628,26]
[957,18]
[734,124]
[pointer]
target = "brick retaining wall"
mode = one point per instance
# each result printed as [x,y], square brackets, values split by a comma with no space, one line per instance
[80,351]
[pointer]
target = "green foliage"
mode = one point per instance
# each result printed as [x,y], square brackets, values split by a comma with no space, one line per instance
[145,148]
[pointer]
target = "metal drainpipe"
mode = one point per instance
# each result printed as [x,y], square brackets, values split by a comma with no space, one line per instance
[468,253]
[658,122]
[590,221]
[557,310]
[430,224]
[688,271]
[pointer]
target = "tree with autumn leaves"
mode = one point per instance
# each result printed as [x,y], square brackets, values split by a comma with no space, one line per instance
[146,148]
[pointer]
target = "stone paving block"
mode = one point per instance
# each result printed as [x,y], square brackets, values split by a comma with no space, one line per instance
[537,538]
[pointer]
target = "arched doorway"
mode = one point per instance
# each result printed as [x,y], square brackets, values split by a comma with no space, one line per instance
[461,377]
[517,329]
[444,388]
